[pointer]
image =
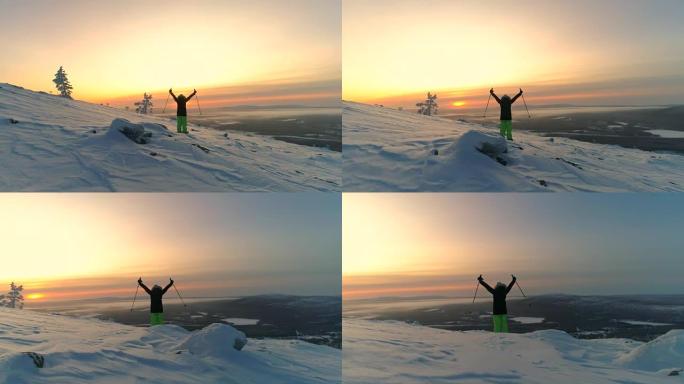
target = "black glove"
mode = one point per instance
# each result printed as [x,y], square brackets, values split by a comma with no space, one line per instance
[480,278]
[170,90]
[514,278]
[171,281]
[521,91]
[491,90]
[140,281]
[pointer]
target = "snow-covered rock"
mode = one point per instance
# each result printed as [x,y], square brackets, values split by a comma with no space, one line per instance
[389,150]
[93,351]
[49,143]
[400,353]
[214,340]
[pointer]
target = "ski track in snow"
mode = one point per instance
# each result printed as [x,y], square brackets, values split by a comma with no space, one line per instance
[52,147]
[389,150]
[93,351]
[400,353]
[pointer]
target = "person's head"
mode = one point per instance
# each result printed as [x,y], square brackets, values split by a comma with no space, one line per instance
[500,286]
[181,97]
[506,97]
[156,288]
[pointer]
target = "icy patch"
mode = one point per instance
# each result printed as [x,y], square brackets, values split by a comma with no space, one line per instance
[646,323]
[528,320]
[667,133]
[241,321]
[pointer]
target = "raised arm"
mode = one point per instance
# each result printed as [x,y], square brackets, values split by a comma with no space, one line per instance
[510,286]
[484,284]
[140,283]
[516,96]
[491,92]
[172,95]
[192,94]
[168,286]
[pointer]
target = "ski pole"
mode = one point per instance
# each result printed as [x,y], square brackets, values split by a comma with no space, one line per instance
[179,295]
[198,106]
[167,101]
[135,297]
[528,111]
[476,288]
[521,291]
[484,116]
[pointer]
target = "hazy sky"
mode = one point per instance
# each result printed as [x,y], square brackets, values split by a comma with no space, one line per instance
[584,52]
[425,244]
[84,245]
[125,47]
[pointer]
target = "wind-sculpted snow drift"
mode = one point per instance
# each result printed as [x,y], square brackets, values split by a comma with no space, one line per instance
[390,150]
[400,353]
[93,351]
[49,143]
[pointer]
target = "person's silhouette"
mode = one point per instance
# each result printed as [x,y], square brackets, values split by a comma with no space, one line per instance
[506,118]
[156,306]
[181,111]
[499,311]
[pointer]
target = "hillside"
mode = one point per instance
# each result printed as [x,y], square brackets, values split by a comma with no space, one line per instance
[401,353]
[92,351]
[390,150]
[48,143]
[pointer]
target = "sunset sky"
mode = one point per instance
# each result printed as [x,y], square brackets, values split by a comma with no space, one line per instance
[437,244]
[71,246]
[611,52]
[235,52]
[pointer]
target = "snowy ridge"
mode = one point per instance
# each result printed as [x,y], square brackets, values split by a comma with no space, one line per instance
[390,150]
[48,143]
[396,352]
[93,351]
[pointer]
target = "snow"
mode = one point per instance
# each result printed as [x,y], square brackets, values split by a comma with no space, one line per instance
[49,143]
[528,320]
[390,150]
[93,351]
[241,321]
[646,323]
[667,133]
[396,352]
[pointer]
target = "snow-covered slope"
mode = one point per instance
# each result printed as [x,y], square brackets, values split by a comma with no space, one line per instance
[93,351]
[48,143]
[390,150]
[394,352]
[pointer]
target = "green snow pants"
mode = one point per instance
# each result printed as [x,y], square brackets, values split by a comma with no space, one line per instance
[182,124]
[506,128]
[500,323]
[156,318]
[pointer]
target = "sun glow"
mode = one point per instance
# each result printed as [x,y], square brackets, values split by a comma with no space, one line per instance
[35,296]
[458,104]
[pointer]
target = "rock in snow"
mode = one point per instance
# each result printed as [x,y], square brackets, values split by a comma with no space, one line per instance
[94,351]
[48,143]
[389,150]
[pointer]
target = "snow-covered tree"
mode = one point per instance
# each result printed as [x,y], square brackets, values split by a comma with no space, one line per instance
[62,83]
[144,106]
[13,298]
[428,107]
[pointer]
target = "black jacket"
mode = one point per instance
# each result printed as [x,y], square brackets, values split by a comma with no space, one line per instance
[499,297]
[505,104]
[156,297]
[181,101]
